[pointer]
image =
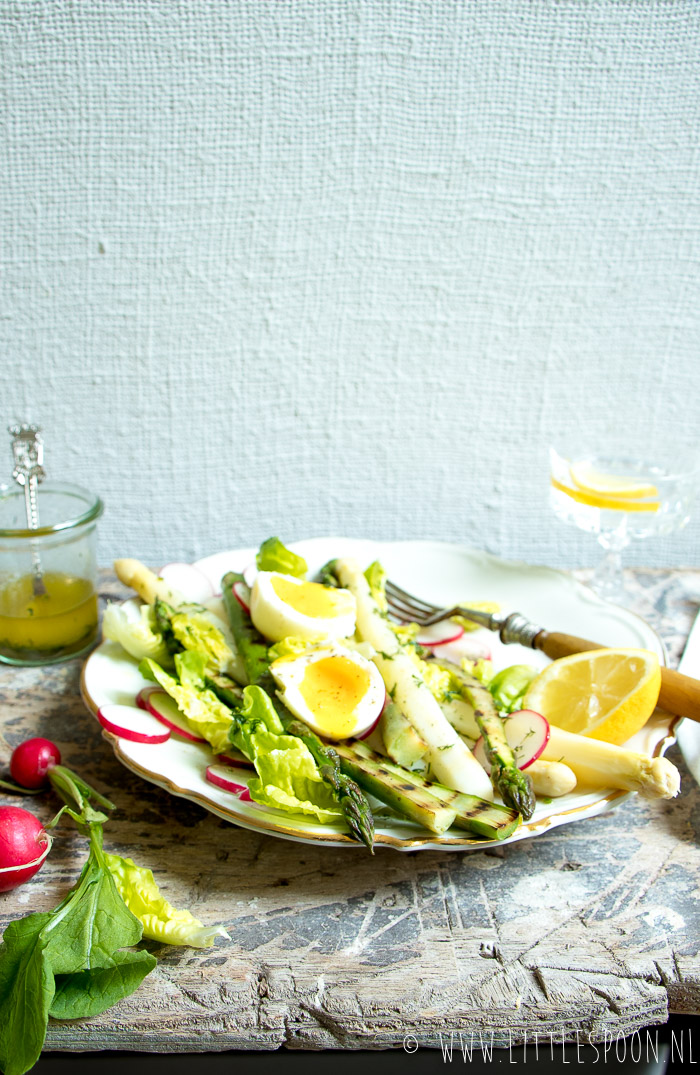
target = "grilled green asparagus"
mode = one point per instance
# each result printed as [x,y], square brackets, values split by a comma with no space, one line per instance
[513,785]
[472,813]
[249,642]
[394,788]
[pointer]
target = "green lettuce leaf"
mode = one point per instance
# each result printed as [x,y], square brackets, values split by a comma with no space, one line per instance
[481,669]
[376,580]
[258,708]
[160,920]
[206,714]
[274,556]
[272,795]
[439,681]
[289,647]
[134,628]
[509,685]
[288,776]
[205,632]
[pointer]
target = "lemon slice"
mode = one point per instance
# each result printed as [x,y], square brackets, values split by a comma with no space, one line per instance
[590,480]
[606,694]
[608,491]
[609,503]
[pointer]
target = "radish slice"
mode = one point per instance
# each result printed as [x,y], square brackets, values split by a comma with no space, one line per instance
[218,775]
[527,734]
[235,759]
[132,724]
[439,634]
[192,583]
[242,594]
[164,709]
[142,696]
[467,647]
[249,574]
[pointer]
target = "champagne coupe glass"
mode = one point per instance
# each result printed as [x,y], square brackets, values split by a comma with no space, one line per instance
[620,494]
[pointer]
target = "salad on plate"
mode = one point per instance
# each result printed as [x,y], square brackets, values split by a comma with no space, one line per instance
[313,703]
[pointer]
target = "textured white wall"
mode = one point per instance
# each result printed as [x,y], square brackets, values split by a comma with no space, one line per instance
[345,267]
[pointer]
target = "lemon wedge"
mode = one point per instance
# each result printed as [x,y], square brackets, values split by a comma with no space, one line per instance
[606,694]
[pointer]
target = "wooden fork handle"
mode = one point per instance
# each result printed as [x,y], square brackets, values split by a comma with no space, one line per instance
[679,694]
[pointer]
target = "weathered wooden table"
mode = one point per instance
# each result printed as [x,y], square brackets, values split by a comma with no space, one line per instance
[592,927]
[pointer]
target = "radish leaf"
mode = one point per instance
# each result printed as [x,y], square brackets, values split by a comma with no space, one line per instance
[90,992]
[24,972]
[83,934]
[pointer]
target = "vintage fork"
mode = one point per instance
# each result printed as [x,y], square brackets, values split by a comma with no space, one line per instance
[679,694]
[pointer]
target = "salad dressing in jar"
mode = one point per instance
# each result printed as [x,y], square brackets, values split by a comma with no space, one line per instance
[65,614]
[48,568]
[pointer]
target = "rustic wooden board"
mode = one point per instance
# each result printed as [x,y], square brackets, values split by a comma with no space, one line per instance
[592,927]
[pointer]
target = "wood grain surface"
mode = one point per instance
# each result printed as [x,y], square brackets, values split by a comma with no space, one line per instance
[591,927]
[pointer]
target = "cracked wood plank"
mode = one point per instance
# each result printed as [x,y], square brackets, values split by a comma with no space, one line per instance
[590,928]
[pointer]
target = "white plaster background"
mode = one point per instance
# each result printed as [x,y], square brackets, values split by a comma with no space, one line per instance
[346,267]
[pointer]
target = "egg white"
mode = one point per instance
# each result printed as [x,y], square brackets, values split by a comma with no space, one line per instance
[326,710]
[276,618]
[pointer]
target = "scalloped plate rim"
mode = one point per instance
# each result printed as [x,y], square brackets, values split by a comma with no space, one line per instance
[276,823]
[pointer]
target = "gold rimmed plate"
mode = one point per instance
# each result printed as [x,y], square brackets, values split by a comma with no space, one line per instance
[439,572]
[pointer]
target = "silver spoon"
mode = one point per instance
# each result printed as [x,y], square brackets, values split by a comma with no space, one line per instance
[28,453]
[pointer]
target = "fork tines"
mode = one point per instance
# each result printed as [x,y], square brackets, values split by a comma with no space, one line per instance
[406,606]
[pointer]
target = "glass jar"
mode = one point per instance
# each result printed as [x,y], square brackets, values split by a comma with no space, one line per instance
[48,576]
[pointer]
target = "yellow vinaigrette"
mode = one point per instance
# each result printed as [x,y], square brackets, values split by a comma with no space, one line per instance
[63,616]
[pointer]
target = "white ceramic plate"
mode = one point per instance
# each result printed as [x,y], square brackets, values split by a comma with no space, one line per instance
[438,572]
[688,731]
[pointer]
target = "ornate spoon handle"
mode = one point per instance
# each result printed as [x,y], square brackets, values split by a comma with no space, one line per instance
[28,453]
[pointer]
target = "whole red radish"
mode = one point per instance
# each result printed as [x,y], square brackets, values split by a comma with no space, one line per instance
[24,844]
[31,761]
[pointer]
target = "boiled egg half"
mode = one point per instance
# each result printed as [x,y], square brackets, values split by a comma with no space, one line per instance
[338,692]
[282,606]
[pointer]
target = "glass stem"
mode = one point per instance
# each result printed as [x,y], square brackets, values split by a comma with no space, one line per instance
[608,579]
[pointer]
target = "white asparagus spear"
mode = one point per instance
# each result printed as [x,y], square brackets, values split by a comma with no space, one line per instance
[461,716]
[146,583]
[551,778]
[149,587]
[450,759]
[604,765]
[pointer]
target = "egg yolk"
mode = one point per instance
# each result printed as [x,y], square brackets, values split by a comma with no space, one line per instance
[309,598]
[332,688]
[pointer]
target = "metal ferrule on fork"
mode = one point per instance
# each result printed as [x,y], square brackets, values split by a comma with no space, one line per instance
[517,628]
[512,628]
